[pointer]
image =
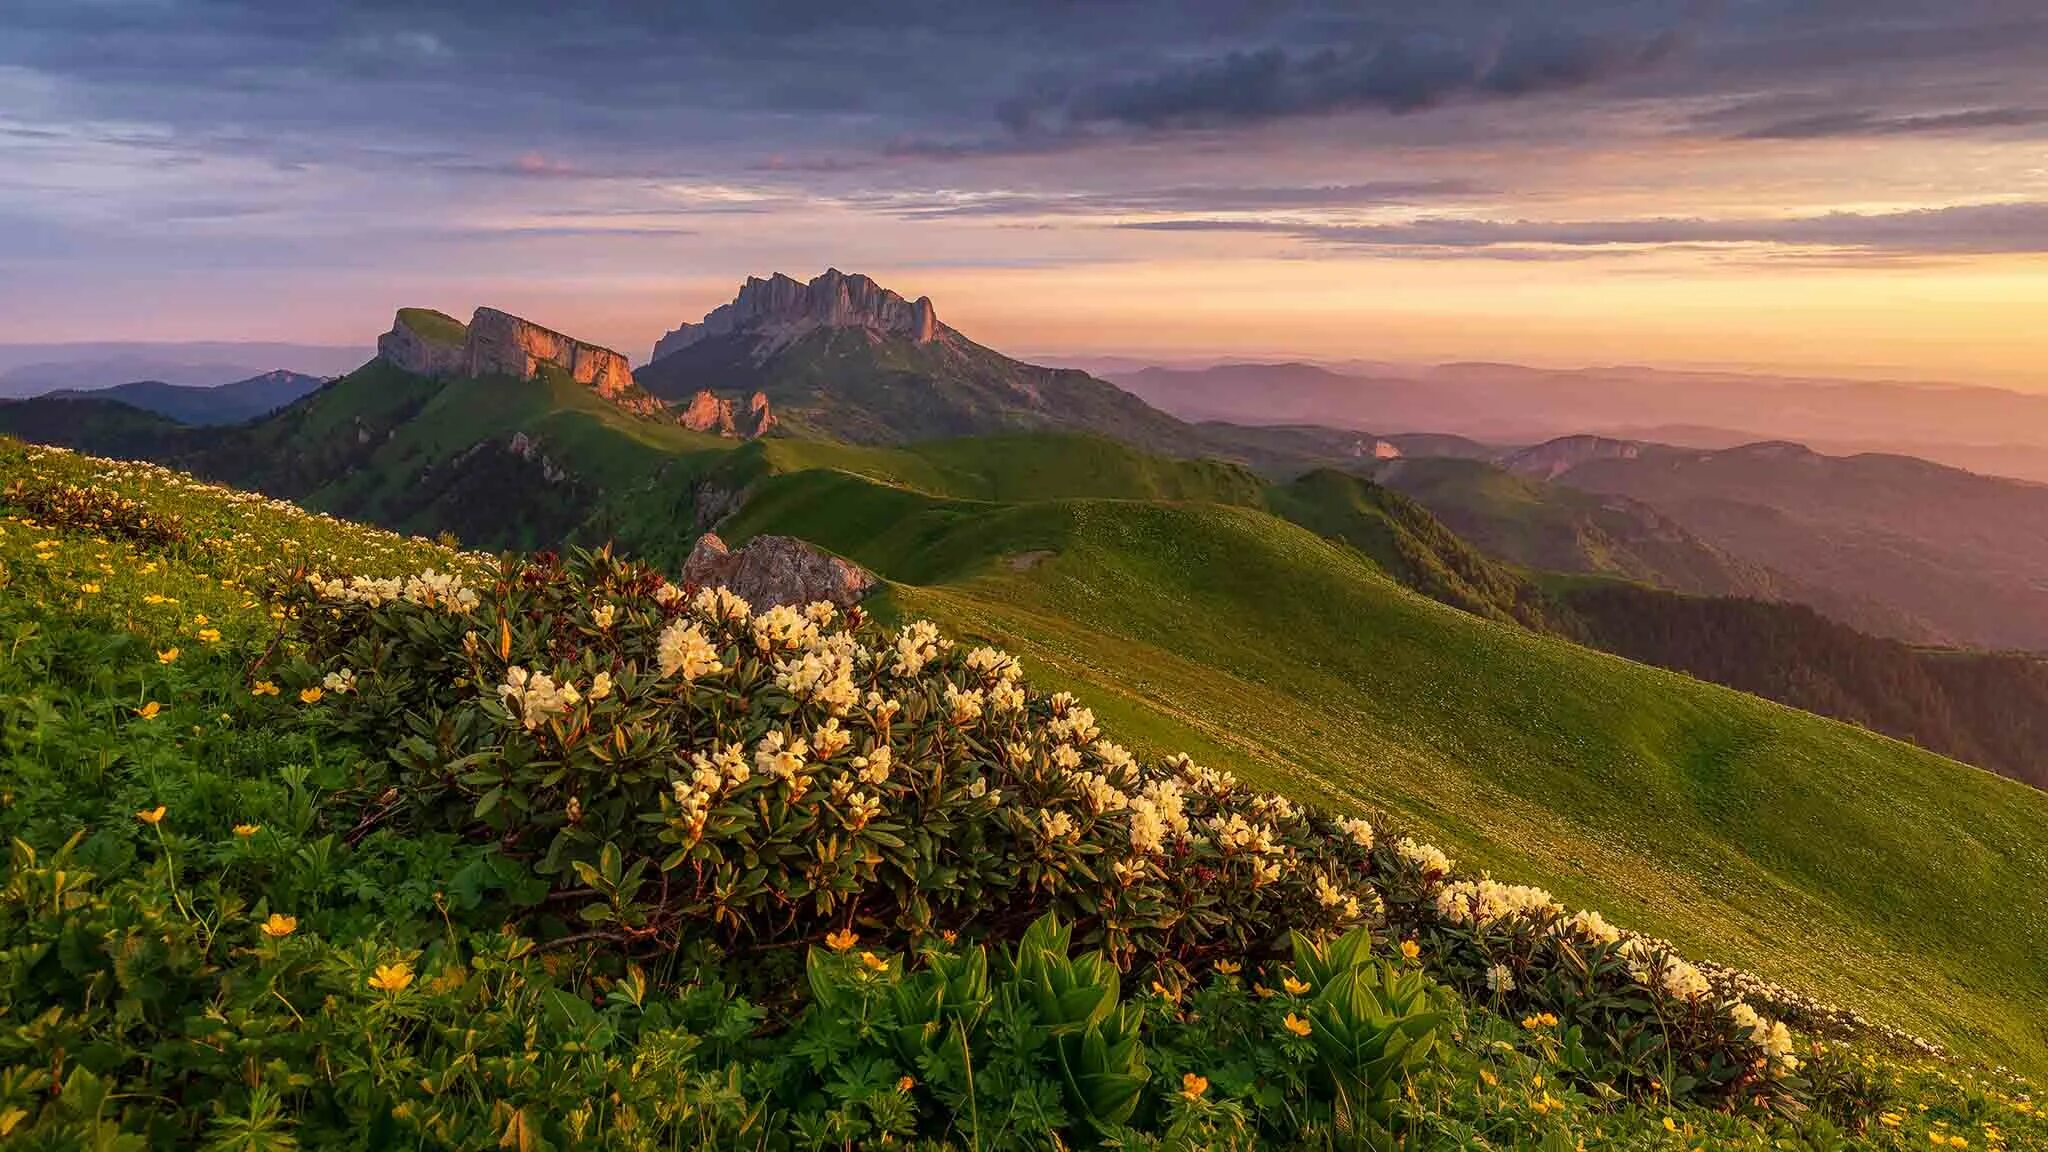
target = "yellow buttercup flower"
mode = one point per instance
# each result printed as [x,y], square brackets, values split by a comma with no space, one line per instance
[1262,992]
[310,695]
[1228,967]
[906,1084]
[872,962]
[247,830]
[841,940]
[210,635]
[1294,987]
[148,711]
[392,978]
[1192,1086]
[151,816]
[263,688]
[167,656]
[1296,1025]
[1410,950]
[278,927]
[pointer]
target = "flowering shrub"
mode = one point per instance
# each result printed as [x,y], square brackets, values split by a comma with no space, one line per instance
[679,764]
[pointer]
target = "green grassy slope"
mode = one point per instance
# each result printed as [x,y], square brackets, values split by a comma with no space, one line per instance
[1838,861]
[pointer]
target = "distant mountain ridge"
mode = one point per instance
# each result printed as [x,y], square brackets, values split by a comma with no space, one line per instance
[781,308]
[231,403]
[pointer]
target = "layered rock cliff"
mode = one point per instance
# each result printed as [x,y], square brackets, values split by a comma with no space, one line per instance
[780,309]
[710,412]
[498,343]
[424,342]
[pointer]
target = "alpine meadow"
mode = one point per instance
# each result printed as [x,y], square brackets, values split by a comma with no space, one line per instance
[1359,578]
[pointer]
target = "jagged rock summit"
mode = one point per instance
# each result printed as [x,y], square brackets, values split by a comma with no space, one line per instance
[707,411]
[781,309]
[496,343]
[770,571]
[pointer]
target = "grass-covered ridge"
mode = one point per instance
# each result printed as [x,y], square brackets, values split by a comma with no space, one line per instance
[1838,861]
[212,842]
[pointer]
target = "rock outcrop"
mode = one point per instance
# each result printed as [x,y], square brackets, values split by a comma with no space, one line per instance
[498,343]
[424,342]
[776,570]
[780,309]
[1554,458]
[710,412]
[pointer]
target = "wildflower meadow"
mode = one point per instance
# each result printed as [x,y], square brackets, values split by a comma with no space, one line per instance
[324,837]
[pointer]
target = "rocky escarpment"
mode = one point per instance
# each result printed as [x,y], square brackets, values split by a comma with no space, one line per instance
[496,343]
[425,342]
[1554,458]
[710,412]
[775,570]
[780,309]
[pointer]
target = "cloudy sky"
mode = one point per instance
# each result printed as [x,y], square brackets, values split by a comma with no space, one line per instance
[1850,185]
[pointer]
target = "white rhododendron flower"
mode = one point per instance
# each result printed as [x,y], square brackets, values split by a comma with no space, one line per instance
[683,648]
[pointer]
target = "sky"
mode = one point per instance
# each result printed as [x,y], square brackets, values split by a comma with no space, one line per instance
[1852,186]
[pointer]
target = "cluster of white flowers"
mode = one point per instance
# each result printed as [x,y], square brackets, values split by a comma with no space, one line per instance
[342,681]
[917,644]
[1070,721]
[823,674]
[1591,926]
[1058,827]
[719,605]
[784,629]
[1098,794]
[964,707]
[1652,966]
[534,696]
[1210,782]
[683,647]
[1345,904]
[1358,829]
[1427,857]
[1234,833]
[778,756]
[429,589]
[1771,1036]
[1485,901]
[829,740]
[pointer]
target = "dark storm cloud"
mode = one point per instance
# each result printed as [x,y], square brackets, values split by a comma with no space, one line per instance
[1971,229]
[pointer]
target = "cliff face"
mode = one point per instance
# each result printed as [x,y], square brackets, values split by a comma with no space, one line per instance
[424,342]
[779,309]
[710,412]
[503,343]
[498,343]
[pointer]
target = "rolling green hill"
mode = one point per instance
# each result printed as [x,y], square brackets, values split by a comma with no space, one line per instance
[1197,615]
[1842,862]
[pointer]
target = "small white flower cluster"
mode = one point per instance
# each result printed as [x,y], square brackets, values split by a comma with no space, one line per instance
[340,682]
[534,696]
[1484,902]
[1358,829]
[1427,858]
[917,644]
[1771,1036]
[429,589]
[683,648]
[1655,967]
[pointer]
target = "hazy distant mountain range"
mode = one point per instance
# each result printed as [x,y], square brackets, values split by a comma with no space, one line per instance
[230,403]
[34,369]
[1983,429]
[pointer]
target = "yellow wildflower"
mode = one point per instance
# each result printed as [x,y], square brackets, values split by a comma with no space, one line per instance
[89,589]
[167,656]
[310,695]
[1669,1126]
[841,940]
[392,978]
[1296,1025]
[872,962]
[151,816]
[1262,992]
[263,688]
[247,830]
[1410,950]
[1294,987]
[210,635]
[278,927]
[906,1084]
[1192,1086]
[1228,967]
[148,711]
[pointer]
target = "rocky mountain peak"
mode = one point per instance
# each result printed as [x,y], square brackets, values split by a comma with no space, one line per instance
[496,343]
[780,309]
[707,411]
